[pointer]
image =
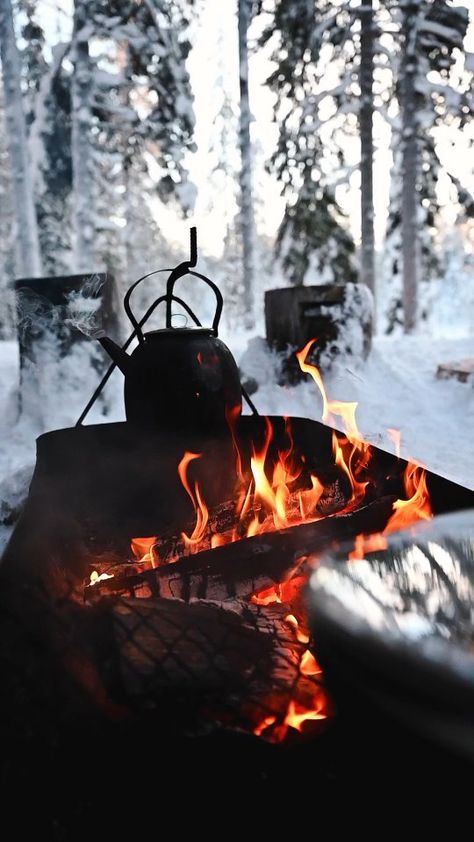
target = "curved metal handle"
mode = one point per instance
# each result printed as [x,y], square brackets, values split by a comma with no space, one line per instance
[179,272]
[184,268]
[137,326]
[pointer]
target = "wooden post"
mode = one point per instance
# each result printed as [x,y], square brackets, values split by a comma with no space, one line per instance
[338,317]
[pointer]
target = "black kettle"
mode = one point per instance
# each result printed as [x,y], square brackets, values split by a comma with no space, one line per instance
[178,378]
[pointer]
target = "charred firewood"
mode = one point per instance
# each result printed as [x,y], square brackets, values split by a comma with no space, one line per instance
[244,567]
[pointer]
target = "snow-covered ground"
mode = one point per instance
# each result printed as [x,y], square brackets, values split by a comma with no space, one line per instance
[395,388]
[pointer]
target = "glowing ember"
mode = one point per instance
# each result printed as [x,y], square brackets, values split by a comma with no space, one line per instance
[309,665]
[297,715]
[264,724]
[301,635]
[96,577]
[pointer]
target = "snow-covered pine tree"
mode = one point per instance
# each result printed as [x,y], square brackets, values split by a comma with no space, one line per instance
[158,49]
[28,259]
[313,233]
[431,90]
[139,105]
[453,306]
[313,224]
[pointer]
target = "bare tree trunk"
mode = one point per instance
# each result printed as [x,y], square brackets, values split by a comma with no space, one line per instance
[366,74]
[28,251]
[246,202]
[409,171]
[82,152]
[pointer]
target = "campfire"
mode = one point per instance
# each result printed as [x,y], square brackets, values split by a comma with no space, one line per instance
[159,566]
[276,493]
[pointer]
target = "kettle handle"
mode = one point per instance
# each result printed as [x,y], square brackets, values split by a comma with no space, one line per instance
[179,272]
[138,325]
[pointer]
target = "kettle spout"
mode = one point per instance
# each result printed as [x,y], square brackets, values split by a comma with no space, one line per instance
[119,357]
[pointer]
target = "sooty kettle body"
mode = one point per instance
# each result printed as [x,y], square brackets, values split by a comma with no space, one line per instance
[179,378]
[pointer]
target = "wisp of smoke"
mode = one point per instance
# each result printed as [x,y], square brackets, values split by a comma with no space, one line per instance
[82,308]
[36,314]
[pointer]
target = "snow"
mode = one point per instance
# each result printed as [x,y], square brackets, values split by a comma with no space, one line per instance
[396,388]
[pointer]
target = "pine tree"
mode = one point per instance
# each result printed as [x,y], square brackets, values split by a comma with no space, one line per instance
[313,224]
[143,109]
[312,233]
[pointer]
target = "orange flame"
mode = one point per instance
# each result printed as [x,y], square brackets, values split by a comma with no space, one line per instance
[345,410]
[312,370]
[417,506]
[406,513]
[367,544]
[145,550]
[351,453]
[202,512]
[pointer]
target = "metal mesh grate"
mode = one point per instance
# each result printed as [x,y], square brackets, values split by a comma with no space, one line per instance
[195,665]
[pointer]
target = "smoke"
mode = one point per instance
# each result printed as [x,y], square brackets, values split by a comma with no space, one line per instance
[81,310]
[34,313]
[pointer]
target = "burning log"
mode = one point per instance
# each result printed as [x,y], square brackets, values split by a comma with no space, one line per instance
[240,569]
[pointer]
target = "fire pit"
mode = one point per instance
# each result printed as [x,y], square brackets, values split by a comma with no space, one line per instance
[155,578]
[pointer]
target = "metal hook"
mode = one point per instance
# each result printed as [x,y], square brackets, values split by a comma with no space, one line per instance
[180,270]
